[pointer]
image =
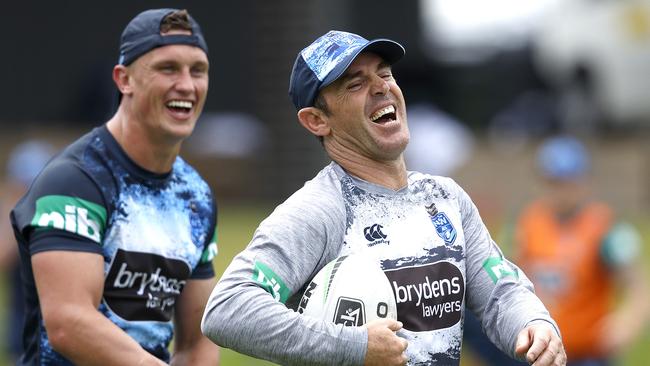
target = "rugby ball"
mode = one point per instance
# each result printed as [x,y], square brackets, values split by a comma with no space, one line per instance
[351,290]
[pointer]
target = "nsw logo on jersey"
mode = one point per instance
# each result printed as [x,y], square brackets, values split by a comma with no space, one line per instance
[375,235]
[428,297]
[71,214]
[144,286]
[444,227]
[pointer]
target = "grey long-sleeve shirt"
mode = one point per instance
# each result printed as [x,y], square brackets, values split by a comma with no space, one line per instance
[433,247]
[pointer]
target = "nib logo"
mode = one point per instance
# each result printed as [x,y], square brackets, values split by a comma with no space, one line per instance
[71,214]
[271,282]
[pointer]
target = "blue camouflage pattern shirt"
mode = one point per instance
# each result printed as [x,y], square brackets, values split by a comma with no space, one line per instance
[154,231]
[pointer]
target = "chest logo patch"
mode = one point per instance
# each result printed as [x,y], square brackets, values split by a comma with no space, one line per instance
[444,227]
[428,297]
[144,286]
[375,235]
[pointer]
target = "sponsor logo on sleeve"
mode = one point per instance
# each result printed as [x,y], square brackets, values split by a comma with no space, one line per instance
[498,267]
[428,297]
[271,282]
[209,253]
[211,250]
[71,214]
[144,286]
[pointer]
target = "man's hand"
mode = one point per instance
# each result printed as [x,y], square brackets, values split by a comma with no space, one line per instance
[384,346]
[540,345]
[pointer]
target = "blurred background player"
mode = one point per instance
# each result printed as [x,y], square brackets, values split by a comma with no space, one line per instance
[580,256]
[23,165]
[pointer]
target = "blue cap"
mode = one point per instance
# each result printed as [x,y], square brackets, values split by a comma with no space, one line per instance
[142,34]
[563,158]
[327,58]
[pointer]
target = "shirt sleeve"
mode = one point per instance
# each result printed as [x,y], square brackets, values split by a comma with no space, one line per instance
[499,293]
[248,303]
[63,210]
[205,269]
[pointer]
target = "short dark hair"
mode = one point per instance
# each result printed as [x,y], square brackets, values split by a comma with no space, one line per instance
[321,104]
[176,20]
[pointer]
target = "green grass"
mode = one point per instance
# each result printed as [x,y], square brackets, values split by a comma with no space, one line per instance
[639,354]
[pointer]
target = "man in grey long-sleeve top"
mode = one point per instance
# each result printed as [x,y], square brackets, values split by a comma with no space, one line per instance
[343,88]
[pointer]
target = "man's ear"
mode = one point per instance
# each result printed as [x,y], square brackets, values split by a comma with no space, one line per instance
[314,120]
[122,79]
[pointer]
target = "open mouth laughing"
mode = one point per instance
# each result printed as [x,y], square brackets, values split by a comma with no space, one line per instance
[183,106]
[386,114]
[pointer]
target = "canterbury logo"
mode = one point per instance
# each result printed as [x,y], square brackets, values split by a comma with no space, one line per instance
[374,232]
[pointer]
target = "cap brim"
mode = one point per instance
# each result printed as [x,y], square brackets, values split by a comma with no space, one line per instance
[390,51]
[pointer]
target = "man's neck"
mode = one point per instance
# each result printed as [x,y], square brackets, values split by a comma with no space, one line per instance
[390,174]
[149,154]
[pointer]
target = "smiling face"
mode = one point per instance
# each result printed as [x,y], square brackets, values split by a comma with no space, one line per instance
[367,112]
[167,90]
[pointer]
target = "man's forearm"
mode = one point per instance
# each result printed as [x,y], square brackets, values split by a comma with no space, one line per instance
[202,353]
[86,337]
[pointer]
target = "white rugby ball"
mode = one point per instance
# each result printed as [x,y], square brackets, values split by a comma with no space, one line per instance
[351,290]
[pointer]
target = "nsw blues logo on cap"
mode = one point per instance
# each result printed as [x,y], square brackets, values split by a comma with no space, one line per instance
[330,50]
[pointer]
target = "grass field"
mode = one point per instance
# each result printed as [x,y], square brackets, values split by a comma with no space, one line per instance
[236,226]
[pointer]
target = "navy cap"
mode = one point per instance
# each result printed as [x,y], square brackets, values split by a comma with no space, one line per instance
[327,58]
[142,34]
[563,158]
